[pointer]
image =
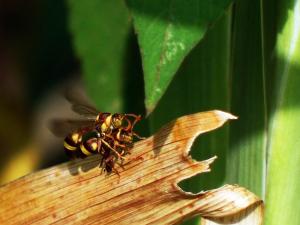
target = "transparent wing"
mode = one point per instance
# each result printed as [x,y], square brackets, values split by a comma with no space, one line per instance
[80,102]
[85,110]
[62,127]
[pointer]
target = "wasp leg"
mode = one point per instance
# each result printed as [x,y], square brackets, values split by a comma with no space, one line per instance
[117,144]
[116,171]
[115,151]
[99,145]
[111,165]
[105,165]
[138,136]
[125,149]
[121,165]
[129,126]
[101,163]
[136,119]
[121,146]
[109,136]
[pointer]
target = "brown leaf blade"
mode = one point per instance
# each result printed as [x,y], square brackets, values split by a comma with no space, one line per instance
[145,193]
[231,204]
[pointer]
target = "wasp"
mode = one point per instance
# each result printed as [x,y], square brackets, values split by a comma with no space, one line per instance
[110,135]
[86,142]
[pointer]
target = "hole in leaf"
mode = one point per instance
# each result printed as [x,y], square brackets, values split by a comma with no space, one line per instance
[206,146]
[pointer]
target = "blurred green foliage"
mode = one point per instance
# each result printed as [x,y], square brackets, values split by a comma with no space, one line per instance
[100,40]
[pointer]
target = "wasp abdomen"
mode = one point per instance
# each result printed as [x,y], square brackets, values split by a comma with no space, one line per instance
[89,147]
[71,146]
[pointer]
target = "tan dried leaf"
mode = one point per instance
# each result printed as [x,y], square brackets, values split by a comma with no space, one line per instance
[145,193]
[236,205]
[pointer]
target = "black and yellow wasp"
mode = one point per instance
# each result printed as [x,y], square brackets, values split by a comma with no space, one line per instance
[107,134]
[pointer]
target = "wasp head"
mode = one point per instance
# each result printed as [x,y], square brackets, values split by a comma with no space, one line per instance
[117,120]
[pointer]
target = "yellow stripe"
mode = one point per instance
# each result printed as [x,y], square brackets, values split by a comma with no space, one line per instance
[69,147]
[108,120]
[94,146]
[118,135]
[84,150]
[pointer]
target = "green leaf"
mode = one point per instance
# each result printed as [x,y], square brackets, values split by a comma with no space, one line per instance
[167,30]
[283,181]
[246,158]
[200,85]
[100,30]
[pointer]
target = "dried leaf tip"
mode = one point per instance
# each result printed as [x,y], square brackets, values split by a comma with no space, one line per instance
[190,126]
[225,115]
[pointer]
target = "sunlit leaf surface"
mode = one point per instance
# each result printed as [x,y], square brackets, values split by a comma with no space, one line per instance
[283,181]
[167,30]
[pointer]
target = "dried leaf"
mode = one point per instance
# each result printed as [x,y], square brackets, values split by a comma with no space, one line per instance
[145,193]
[236,205]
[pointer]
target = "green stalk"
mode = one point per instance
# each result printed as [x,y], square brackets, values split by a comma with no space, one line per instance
[283,181]
[246,158]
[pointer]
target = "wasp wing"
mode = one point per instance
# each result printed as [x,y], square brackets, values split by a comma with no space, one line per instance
[62,127]
[85,110]
[80,102]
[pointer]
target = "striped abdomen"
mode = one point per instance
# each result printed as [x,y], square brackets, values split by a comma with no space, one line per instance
[89,147]
[71,144]
[81,144]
